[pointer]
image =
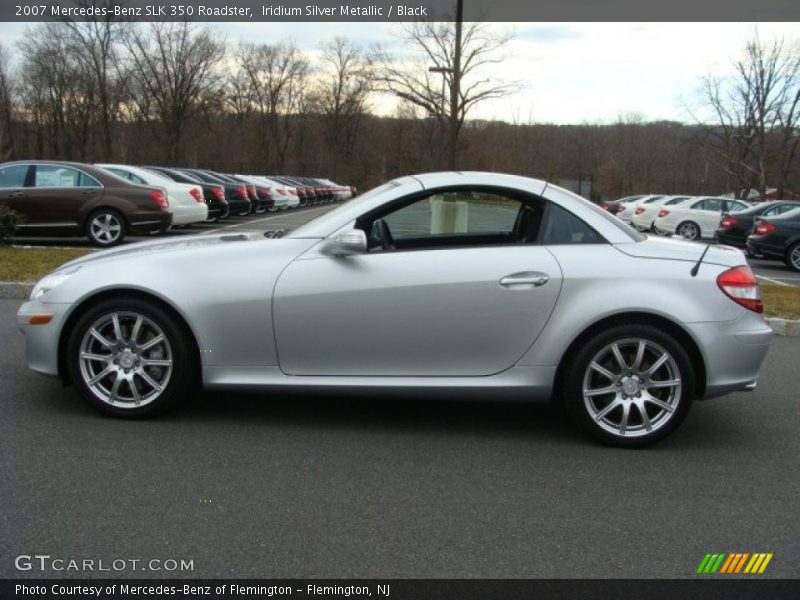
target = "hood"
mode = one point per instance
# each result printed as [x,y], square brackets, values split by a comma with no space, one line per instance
[160,246]
[674,249]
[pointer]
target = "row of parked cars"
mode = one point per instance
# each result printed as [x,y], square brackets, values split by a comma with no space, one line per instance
[105,202]
[767,229]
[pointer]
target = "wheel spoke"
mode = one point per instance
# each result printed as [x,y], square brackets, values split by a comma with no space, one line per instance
[645,419]
[100,375]
[623,422]
[117,328]
[612,389]
[664,384]
[658,402]
[98,357]
[637,362]
[602,370]
[150,381]
[136,328]
[618,355]
[115,388]
[153,362]
[657,365]
[149,344]
[137,399]
[599,416]
[100,338]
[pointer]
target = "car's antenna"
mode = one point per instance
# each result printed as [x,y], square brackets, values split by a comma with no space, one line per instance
[696,266]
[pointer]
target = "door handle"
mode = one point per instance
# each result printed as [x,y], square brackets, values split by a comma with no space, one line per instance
[526,279]
[14,195]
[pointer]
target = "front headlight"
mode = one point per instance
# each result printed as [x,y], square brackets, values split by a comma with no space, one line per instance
[51,281]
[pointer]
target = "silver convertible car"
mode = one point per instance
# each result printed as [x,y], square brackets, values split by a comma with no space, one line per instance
[452,284]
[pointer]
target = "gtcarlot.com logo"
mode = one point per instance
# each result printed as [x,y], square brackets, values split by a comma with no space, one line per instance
[732,563]
[45,562]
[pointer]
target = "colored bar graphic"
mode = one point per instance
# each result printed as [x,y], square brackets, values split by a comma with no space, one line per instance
[734,562]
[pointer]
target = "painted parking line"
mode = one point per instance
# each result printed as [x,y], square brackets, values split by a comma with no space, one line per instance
[775,281]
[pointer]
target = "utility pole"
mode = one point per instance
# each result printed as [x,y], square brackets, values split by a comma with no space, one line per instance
[455,89]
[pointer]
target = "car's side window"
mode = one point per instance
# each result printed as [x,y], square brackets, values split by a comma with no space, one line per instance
[455,218]
[55,176]
[128,175]
[562,227]
[784,208]
[13,176]
[735,206]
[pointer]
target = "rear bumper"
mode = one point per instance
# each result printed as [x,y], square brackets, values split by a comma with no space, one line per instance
[184,215]
[733,352]
[762,246]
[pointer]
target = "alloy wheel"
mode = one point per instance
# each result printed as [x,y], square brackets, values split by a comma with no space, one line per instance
[105,228]
[794,257]
[632,387]
[125,359]
[688,231]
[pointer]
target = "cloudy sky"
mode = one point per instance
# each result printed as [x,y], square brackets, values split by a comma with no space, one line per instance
[570,72]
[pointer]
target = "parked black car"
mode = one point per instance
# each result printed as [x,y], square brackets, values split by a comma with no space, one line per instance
[778,238]
[213,194]
[306,193]
[261,199]
[58,198]
[235,193]
[734,228]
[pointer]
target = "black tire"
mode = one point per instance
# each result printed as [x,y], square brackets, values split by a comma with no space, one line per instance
[689,226]
[792,258]
[104,218]
[584,411]
[181,379]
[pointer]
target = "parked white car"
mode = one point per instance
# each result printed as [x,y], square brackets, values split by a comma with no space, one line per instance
[645,213]
[627,212]
[186,202]
[696,218]
[285,196]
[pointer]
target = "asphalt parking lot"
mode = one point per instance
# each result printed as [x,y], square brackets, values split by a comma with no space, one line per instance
[254,486]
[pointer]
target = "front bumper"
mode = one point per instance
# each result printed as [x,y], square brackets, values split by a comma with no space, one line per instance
[41,341]
[733,352]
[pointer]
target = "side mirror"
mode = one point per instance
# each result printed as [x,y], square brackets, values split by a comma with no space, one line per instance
[346,244]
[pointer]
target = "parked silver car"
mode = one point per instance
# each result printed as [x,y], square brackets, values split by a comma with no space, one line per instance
[449,283]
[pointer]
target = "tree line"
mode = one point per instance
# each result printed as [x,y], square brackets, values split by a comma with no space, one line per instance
[178,94]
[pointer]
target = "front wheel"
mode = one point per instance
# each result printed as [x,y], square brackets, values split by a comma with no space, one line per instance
[793,257]
[128,358]
[629,386]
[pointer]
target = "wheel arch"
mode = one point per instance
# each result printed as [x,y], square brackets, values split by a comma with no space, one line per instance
[638,318]
[125,294]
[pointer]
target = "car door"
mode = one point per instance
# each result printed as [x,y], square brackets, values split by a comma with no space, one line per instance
[464,291]
[708,213]
[12,189]
[58,193]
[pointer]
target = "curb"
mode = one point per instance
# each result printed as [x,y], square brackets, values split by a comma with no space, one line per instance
[17,290]
[20,290]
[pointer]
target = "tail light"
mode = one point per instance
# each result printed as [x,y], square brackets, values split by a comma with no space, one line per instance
[640,210]
[293,192]
[764,228]
[663,213]
[264,191]
[219,193]
[282,191]
[196,194]
[727,223]
[605,207]
[242,191]
[740,285]
[159,199]
[251,189]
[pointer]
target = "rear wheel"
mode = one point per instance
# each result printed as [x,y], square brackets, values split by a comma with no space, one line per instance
[792,258]
[105,228]
[128,358]
[688,230]
[629,386]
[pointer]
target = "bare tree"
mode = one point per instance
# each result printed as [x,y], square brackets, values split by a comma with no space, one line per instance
[95,45]
[6,109]
[753,132]
[344,82]
[173,66]
[277,76]
[435,44]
